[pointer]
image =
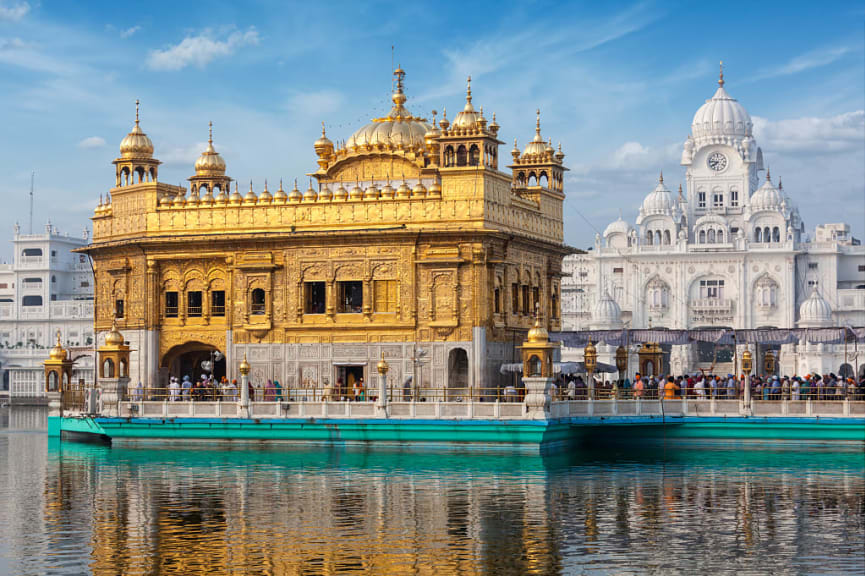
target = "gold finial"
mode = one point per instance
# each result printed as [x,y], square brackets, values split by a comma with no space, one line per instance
[136,111]
[469,90]
[399,73]
[58,337]
[210,133]
[780,184]
[721,75]
[244,366]
[445,113]
[768,174]
[322,129]
[250,185]
[265,184]
[538,122]
[434,112]
[661,178]
[280,183]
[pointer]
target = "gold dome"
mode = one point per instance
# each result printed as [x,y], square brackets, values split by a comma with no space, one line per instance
[136,144]
[403,191]
[419,189]
[323,146]
[265,195]
[250,197]
[371,193]
[114,338]
[399,129]
[235,197]
[244,366]
[210,162]
[387,191]
[382,366]
[280,195]
[356,192]
[435,188]
[310,195]
[326,194]
[341,193]
[538,334]
[537,147]
[468,118]
[295,195]
[57,353]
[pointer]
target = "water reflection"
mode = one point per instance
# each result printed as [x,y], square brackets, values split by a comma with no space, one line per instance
[169,510]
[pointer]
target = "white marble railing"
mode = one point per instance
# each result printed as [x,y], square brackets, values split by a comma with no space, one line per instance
[600,409]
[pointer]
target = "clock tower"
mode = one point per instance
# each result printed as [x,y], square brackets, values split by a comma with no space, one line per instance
[722,159]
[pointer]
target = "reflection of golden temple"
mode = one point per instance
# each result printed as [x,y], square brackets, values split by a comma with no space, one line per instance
[317,285]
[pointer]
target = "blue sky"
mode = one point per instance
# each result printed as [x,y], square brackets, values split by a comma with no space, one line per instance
[617,85]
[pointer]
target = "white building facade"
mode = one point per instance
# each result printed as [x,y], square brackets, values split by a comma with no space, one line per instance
[45,289]
[729,251]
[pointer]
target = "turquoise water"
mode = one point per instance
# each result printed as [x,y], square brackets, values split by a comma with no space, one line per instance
[76,509]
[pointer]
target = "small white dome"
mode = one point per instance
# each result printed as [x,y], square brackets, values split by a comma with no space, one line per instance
[618,226]
[659,200]
[815,312]
[607,313]
[721,117]
[766,197]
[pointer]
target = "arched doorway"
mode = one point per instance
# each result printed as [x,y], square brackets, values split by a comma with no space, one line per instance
[189,360]
[458,374]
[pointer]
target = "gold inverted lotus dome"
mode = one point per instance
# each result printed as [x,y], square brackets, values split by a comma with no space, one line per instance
[136,144]
[114,338]
[399,129]
[210,162]
[58,353]
[538,334]
[536,147]
[468,118]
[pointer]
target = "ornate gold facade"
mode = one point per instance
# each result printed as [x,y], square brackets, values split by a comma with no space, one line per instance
[409,233]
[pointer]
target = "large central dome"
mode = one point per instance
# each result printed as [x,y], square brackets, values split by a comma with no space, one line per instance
[399,129]
[721,117]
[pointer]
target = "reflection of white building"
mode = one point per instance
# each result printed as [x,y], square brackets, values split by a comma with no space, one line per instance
[46,288]
[728,251]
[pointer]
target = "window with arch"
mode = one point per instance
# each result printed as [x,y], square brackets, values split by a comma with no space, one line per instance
[734,197]
[462,156]
[717,199]
[766,293]
[776,234]
[667,237]
[702,237]
[258,302]
[649,237]
[543,181]
[701,198]
[767,235]
[534,366]
[658,295]
[710,236]
[758,235]
[474,155]
[658,237]
[449,156]
[108,368]
[139,173]
[533,179]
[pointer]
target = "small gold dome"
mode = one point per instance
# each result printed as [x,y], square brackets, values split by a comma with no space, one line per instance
[494,126]
[295,195]
[235,197]
[371,193]
[382,366]
[403,191]
[250,197]
[280,195]
[114,338]
[244,366]
[435,188]
[356,193]
[537,147]
[164,201]
[468,118]
[444,123]
[222,197]
[179,200]
[58,353]
[538,334]
[326,194]
[387,191]
[265,196]
[310,195]
[323,146]
[210,162]
[561,156]
[341,193]
[419,189]
[136,144]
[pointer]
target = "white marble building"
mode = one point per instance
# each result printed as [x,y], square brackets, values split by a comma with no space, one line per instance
[46,288]
[731,250]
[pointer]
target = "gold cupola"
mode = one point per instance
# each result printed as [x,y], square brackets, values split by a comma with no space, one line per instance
[114,339]
[250,197]
[468,118]
[295,195]
[136,144]
[323,146]
[210,162]
[58,353]
[280,197]
[536,148]
[265,197]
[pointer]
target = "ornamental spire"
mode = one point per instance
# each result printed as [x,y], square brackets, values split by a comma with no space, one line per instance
[136,111]
[469,90]
[721,75]
[210,132]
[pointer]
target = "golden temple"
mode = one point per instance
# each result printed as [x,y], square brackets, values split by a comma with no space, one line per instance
[410,244]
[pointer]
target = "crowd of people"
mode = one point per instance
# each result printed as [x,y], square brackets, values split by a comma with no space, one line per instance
[208,388]
[702,386]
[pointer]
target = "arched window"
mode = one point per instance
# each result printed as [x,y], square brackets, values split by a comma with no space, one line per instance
[720,237]
[543,181]
[449,156]
[758,234]
[534,366]
[776,234]
[533,179]
[124,176]
[702,239]
[258,302]
[474,155]
[710,237]
[153,175]
[767,235]
[658,237]
[667,237]
[108,368]
[649,237]
[462,156]
[202,190]
[139,172]
[124,369]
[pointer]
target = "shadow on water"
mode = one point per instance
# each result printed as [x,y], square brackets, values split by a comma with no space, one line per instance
[278,509]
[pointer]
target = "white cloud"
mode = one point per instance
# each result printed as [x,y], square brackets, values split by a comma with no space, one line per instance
[833,134]
[92,142]
[13,11]
[129,32]
[183,155]
[315,104]
[807,61]
[200,50]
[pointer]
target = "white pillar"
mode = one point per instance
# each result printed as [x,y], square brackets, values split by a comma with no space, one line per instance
[244,388]
[381,403]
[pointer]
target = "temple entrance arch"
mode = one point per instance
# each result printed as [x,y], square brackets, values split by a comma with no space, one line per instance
[186,360]
[458,374]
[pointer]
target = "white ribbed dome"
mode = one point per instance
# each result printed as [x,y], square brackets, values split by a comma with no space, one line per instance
[815,312]
[659,200]
[618,226]
[766,197]
[721,118]
[607,313]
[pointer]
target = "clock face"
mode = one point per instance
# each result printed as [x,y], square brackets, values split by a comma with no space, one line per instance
[717,161]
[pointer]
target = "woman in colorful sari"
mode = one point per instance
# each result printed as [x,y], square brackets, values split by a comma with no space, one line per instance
[269,392]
